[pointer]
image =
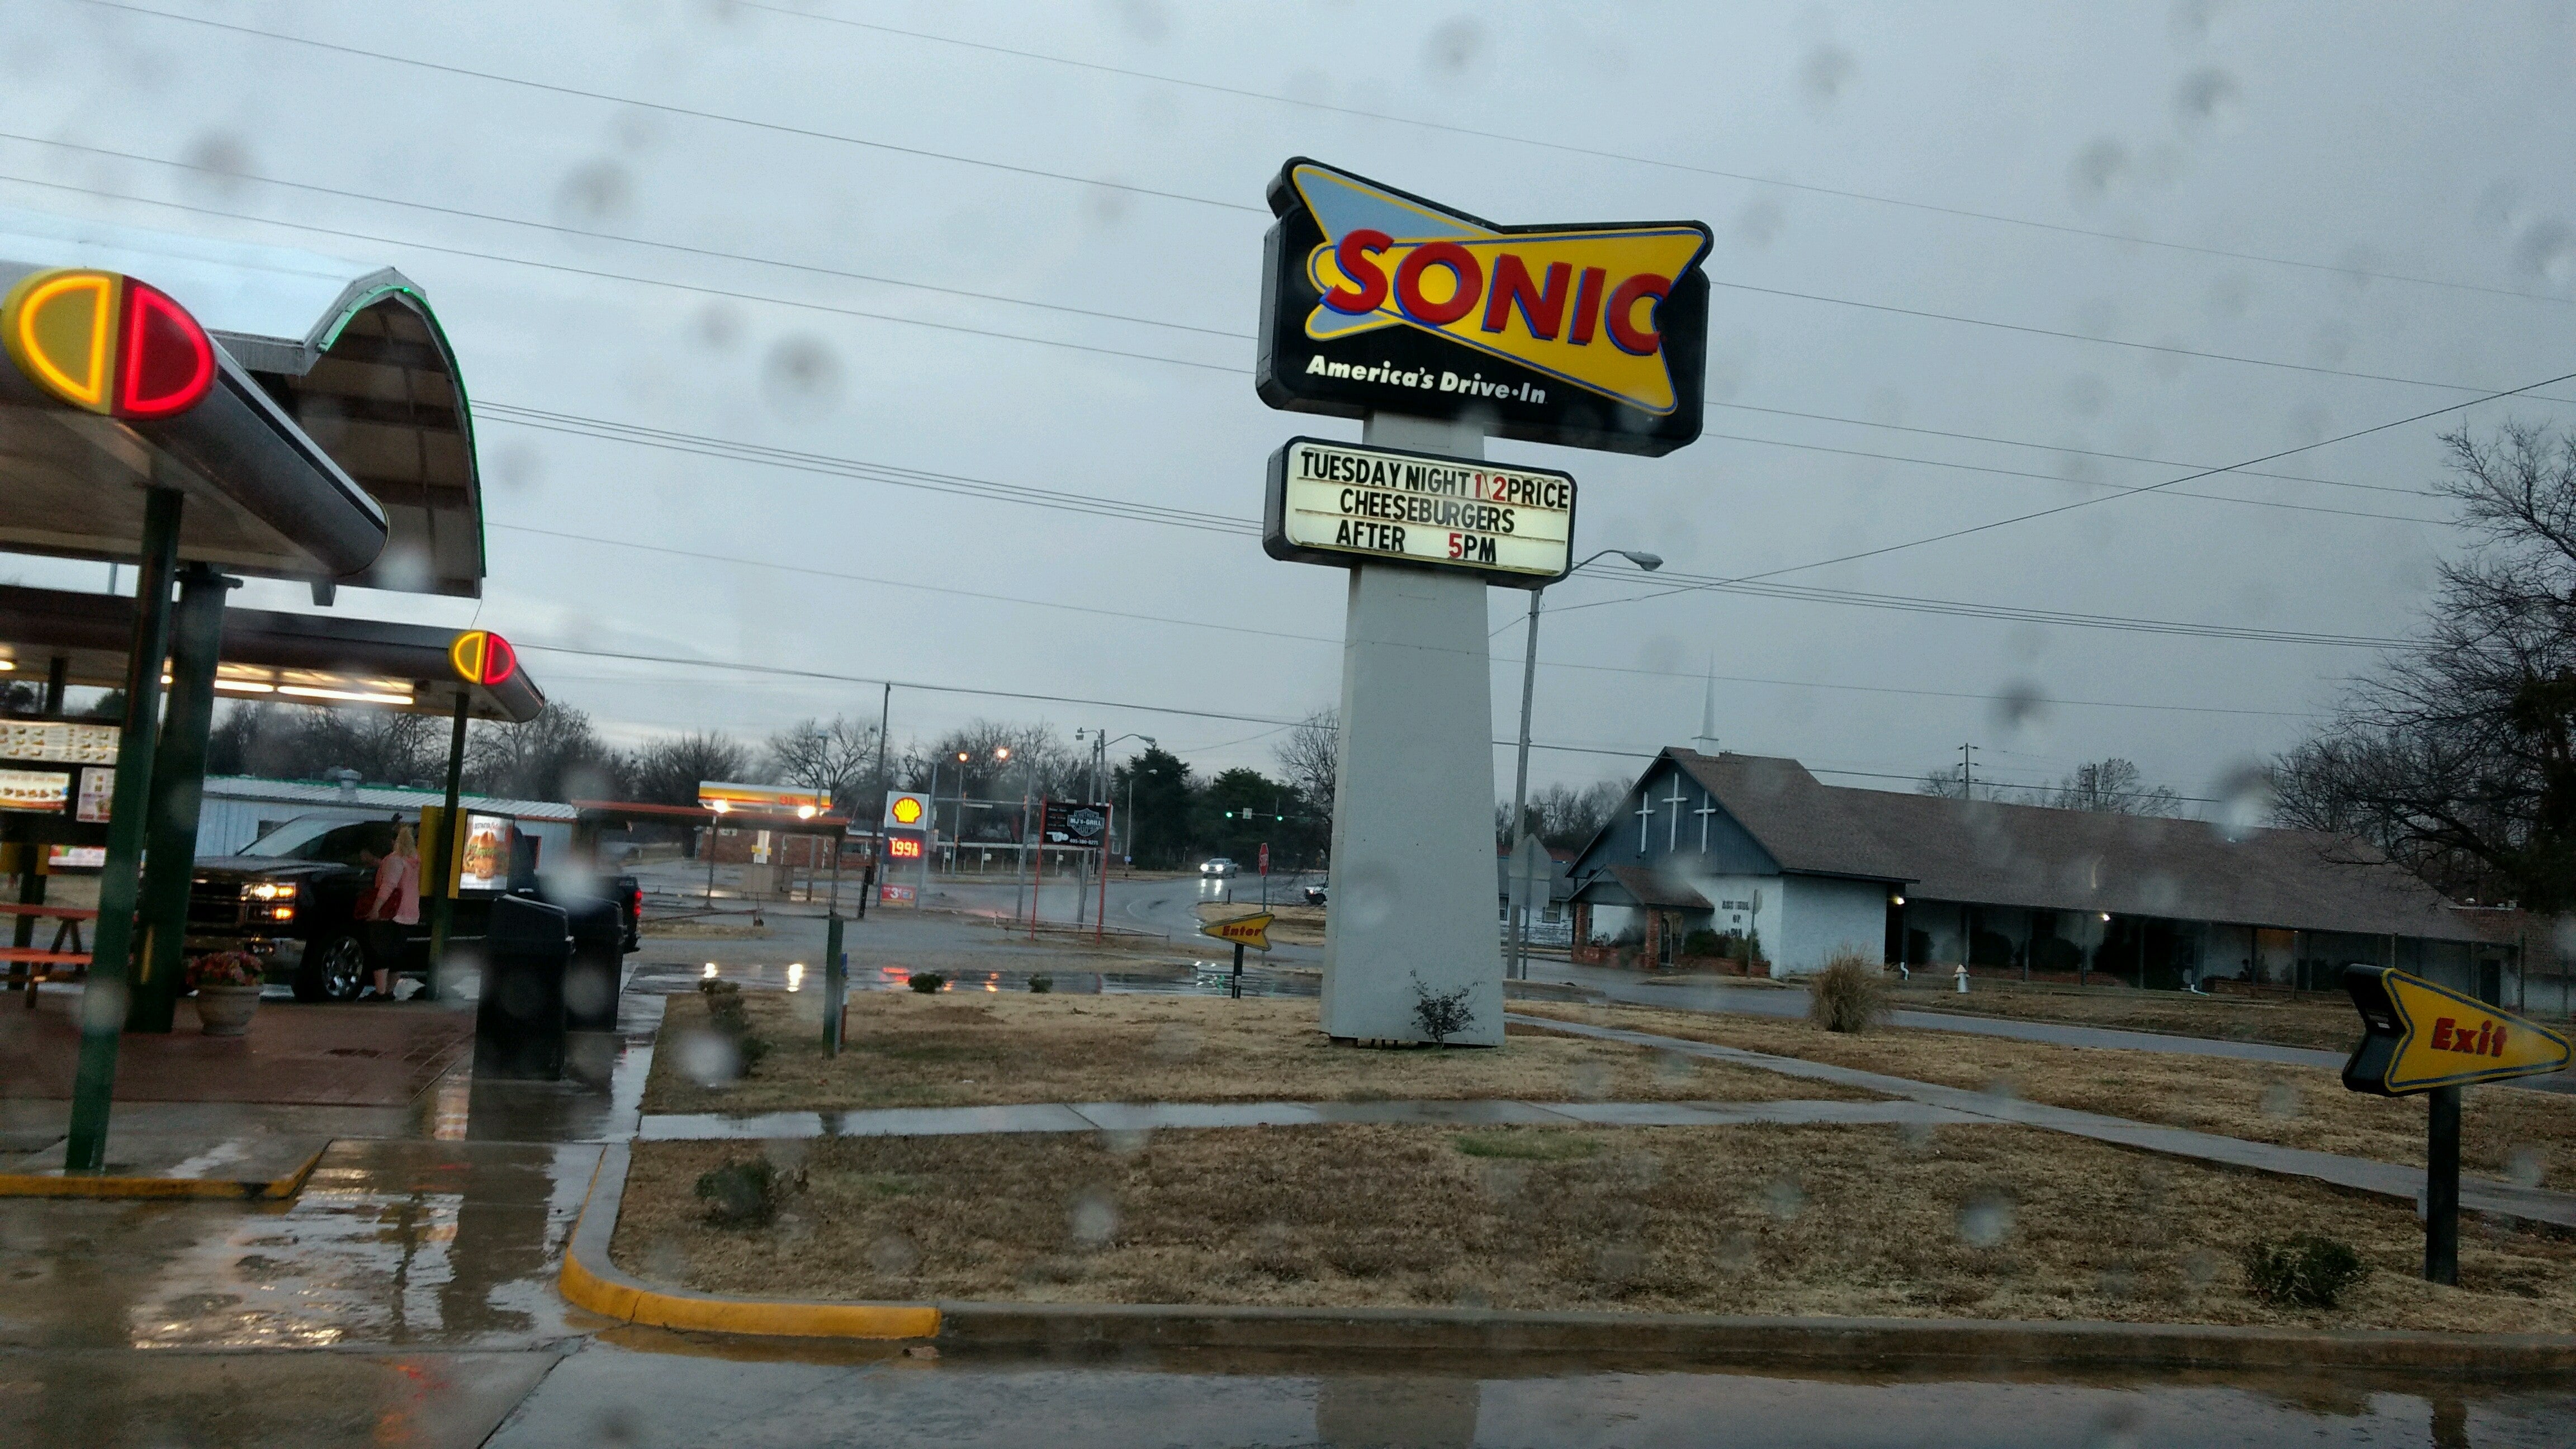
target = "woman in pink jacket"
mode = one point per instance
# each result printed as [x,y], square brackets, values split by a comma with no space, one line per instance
[393,905]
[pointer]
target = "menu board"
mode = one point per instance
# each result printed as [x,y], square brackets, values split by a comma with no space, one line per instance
[34,789]
[97,788]
[58,739]
[76,857]
[485,864]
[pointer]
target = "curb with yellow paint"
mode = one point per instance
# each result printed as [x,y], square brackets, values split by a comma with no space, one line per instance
[589,1280]
[69,1184]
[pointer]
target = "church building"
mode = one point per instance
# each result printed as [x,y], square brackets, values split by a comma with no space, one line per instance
[1749,856]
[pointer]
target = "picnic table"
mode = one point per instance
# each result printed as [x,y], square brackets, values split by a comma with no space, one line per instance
[29,967]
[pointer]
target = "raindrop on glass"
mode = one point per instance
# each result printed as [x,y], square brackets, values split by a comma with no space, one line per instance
[1985,1220]
[708,1059]
[893,1256]
[1093,1217]
[2524,1166]
[1783,1198]
[2280,1101]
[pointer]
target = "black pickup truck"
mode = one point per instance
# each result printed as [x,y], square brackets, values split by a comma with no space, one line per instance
[291,898]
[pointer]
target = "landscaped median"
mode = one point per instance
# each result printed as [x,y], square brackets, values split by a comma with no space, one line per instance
[1844,1241]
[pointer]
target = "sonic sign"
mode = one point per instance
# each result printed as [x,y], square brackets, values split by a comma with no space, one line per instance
[1588,336]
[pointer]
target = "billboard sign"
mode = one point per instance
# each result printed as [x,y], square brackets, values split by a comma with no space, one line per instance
[1586,335]
[1342,503]
[1085,827]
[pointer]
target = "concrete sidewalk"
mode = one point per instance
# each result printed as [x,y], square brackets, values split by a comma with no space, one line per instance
[1150,1116]
[2386,1179]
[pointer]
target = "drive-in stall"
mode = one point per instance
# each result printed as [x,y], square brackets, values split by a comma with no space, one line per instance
[197,408]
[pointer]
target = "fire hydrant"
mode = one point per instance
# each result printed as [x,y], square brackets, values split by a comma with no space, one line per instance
[1961,978]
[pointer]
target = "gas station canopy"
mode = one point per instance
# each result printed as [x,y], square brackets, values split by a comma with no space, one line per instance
[287,658]
[336,441]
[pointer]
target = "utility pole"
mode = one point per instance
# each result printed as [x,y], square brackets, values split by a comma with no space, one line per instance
[1967,772]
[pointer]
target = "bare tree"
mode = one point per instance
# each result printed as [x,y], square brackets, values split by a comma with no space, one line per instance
[2459,757]
[1563,817]
[1310,758]
[307,742]
[839,758]
[2111,787]
[669,770]
[556,756]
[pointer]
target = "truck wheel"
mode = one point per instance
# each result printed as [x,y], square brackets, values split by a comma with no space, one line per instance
[332,970]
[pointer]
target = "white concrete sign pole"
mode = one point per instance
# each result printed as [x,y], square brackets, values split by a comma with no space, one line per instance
[1413,818]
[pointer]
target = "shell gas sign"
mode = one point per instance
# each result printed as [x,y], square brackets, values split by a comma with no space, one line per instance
[1591,335]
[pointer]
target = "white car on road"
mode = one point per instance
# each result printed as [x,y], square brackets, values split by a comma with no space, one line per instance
[1217,866]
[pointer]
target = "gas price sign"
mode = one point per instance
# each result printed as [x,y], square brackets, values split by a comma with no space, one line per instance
[1339,503]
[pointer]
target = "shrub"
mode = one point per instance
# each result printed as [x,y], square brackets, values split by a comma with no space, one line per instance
[732,1020]
[1850,994]
[744,1194]
[1441,1016]
[1041,984]
[1704,942]
[927,982]
[2303,1271]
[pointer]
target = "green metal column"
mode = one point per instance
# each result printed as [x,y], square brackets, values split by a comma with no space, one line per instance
[442,909]
[178,790]
[103,997]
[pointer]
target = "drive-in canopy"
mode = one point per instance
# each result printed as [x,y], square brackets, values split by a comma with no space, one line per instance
[348,357]
[288,658]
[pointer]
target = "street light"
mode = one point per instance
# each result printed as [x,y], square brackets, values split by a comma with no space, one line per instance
[1101,740]
[1520,771]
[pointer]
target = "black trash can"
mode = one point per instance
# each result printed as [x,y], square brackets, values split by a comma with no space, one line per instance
[519,1024]
[598,953]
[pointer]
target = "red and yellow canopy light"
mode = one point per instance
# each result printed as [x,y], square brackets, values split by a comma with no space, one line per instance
[106,343]
[483,657]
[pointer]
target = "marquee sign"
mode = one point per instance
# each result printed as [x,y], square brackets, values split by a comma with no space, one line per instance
[1340,503]
[2419,1036]
[106,343]
[1590,335]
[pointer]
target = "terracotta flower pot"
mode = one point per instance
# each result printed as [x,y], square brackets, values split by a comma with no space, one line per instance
[226,1010]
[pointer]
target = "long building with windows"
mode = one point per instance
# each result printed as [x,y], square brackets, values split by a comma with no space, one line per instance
[1711,847]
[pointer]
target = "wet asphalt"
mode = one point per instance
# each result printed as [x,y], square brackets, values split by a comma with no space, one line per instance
[406,1296]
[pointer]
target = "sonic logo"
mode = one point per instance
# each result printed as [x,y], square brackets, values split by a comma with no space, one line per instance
[1589,335]
[106,343]
[483,657]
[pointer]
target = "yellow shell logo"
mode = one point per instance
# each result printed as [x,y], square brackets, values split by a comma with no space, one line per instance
[907,810]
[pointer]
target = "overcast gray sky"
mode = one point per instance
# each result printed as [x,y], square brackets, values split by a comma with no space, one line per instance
[2319,191]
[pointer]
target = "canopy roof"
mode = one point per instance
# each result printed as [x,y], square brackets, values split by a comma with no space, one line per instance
[288,658]
[351,361]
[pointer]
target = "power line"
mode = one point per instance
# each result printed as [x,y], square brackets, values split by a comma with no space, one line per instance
[1036,697]
[665,108]
[841,467]
[2152,487]
[1483,133]
[909,586]
[804,132]
[558,229]
[706,290]
[605,275]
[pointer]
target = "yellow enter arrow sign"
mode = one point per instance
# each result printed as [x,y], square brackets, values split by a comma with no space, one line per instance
[1253,931]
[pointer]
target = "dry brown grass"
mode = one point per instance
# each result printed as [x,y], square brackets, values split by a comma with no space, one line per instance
[1298,925]
[1988,1222]
[2320,1023]
[980,1048]
[2293,1106]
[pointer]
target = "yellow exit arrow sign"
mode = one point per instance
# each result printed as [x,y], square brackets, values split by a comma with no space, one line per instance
[2422,1036]
[1253,931]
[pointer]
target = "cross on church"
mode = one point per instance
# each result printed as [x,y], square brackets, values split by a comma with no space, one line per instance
[1645,815]
[1707,808]
[1673,827]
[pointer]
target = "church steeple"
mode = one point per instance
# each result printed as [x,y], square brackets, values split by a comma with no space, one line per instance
[1706,740]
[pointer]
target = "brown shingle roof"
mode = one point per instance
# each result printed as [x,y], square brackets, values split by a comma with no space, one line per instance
[2026,855]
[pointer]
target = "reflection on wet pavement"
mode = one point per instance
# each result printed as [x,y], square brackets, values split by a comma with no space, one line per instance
[742,1398]
[390,1243]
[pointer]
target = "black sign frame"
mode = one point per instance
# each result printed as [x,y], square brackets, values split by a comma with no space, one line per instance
[1057,824]
[1274,519]
[1571,416]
